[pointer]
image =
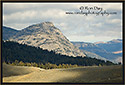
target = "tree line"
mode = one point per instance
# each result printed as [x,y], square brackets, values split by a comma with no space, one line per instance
[12,51]
[41,65]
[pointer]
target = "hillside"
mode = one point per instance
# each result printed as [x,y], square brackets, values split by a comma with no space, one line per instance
[12,51]
[46,36]
[93,48]
[113,46]
[9,70]
[105,74]
[8,32]
[93,55]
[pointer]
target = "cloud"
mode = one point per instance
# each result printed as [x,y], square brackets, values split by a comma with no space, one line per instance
[33,16]
[112,6]
[74,27]
[114,21]
[90,38]
[97,25]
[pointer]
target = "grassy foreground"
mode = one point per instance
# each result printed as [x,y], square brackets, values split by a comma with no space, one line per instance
[104,74]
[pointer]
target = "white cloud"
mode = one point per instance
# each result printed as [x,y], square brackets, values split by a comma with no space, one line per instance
[91,38]
[112,6]
[54,13]
[33,16]
[75,27]
[97,25]
[114,21]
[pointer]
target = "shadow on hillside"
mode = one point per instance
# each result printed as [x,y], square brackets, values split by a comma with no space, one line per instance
[109,74]
[8,70]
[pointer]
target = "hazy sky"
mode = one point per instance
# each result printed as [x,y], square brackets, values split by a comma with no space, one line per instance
[76,27]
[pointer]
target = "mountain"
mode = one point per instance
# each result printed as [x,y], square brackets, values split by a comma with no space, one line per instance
[12,51]
[93,55]
[87,52]
[113,46]
[93,48]
[46,36]
[8,32]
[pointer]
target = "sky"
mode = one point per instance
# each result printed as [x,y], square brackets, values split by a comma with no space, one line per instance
[76,27]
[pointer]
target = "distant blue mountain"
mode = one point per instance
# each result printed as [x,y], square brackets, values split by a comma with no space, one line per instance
[112,46]
[104,50]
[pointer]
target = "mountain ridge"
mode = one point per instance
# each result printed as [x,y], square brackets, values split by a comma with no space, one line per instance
[112,46]
[8,32]
[45,35]
[101,51]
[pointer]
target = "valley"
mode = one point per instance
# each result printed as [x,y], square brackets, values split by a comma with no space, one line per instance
[106,74]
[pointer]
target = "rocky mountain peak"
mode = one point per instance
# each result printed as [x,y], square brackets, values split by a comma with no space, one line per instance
[48,23]
[43,25]
[45,35]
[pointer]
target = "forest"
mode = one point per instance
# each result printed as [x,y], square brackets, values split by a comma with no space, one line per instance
[12,51]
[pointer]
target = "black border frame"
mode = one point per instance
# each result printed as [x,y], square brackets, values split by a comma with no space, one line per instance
[36,83]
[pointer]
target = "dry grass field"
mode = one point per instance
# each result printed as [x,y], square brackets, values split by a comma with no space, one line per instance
[105,74]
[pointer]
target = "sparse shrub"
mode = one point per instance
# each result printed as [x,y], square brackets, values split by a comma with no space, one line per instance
[21,63]
[13,64]
[59,66]
[16,62]
[75,65]
[28,64]
[34,64]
